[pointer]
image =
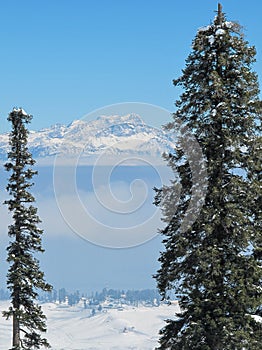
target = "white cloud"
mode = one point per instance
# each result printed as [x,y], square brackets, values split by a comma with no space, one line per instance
[98,217]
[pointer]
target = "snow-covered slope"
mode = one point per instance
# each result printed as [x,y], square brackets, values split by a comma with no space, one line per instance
[72,328]
[117,135]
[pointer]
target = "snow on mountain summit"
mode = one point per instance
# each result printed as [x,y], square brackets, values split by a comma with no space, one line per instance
[128,118]
[121,133]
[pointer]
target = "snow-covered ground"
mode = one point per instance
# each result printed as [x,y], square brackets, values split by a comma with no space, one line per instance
[72,328]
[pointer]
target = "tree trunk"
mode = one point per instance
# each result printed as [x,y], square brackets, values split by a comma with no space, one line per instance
[16,333]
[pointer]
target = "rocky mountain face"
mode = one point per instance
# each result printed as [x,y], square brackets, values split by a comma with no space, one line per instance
[116,135]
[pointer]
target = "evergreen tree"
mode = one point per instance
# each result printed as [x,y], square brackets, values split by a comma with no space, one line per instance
[214,264]
[24,277]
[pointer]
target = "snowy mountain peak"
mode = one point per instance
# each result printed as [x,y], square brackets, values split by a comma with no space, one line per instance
[131,118]
[120,134]
[76,123]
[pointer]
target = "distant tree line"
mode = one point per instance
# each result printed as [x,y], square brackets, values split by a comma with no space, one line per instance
[72,298]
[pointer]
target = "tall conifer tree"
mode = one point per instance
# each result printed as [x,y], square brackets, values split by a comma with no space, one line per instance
[214,265]
[24,277]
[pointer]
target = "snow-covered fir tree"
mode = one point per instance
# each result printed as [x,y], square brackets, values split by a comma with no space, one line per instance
[24,277]
[214,264]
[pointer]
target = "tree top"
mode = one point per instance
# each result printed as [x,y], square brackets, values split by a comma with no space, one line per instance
[219,12]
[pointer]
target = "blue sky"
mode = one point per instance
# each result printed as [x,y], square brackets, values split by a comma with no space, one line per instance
[62,59]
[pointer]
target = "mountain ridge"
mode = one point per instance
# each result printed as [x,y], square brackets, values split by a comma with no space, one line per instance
[116,135]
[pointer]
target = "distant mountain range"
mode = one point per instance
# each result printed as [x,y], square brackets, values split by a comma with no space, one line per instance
[116,135]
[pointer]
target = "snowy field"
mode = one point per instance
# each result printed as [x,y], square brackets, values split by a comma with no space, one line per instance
[72,328]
